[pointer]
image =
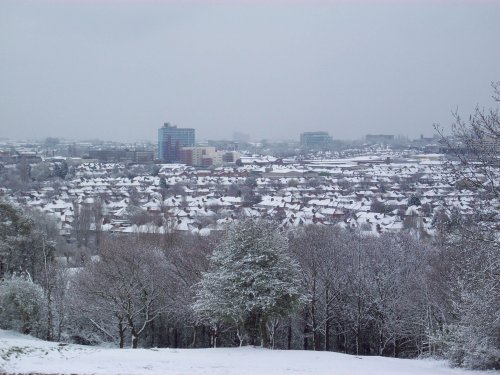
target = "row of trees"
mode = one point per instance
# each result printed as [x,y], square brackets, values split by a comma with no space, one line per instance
[312,288]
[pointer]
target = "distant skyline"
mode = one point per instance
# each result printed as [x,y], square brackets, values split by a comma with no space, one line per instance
[117,70]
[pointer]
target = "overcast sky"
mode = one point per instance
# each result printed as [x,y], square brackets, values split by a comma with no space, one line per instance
[117,70]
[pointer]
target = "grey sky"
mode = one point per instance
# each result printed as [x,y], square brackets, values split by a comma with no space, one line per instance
[118,70]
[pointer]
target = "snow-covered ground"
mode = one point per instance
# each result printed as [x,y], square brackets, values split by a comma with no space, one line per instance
[24,354]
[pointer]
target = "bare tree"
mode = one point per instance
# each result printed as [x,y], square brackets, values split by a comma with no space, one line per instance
[398,264]
[470,249]
[82,223]
[98,215]
[128,285]
[315,249]
[189,256]
[476,144]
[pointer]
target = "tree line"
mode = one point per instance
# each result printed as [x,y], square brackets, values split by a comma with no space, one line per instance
[311,288]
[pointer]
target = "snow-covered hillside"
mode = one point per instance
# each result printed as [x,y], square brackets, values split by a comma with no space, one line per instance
[24,354]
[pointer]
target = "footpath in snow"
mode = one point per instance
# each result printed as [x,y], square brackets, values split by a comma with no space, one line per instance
[25,354]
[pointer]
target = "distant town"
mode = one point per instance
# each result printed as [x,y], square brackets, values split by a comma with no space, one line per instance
[381,183]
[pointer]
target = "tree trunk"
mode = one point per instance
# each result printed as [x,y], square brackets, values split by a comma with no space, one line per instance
[135,335]
[315,341]
[252,328]
[59,328]
[396,348]
[327,334]
[264,336]
[50,333]
[193,343]
[380,342]
[240,337]
[313,323]
[152,329]
[135,341]
[327,319]
[176,337]
[167,331]
[121,332]
[306,330]
[214,337]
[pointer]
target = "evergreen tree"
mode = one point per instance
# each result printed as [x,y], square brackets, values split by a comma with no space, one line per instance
[251,281]
[21,305]
[61,170]
[24,248]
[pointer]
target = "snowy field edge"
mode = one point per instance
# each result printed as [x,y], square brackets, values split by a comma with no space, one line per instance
[22,354]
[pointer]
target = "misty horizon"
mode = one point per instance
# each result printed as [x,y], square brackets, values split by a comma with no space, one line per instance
[119,70]
[198,140]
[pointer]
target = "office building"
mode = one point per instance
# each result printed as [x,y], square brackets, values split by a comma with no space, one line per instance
[171,140]
[315,139]
[195,155]
[207,156]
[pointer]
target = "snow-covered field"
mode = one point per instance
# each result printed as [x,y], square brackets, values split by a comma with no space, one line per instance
[24,354]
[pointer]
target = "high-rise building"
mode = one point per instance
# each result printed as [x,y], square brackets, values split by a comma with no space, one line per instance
[171,140]
[315,139]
